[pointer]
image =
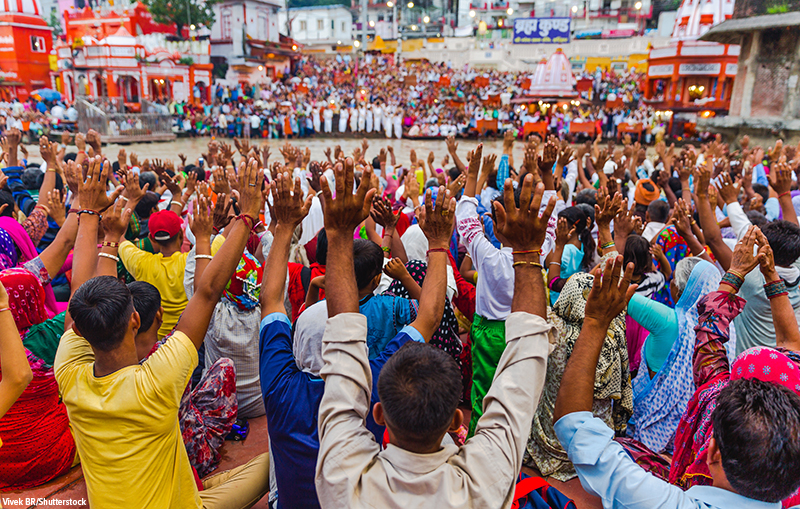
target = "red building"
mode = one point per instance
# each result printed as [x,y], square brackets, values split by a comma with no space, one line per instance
[25,45]
[691,75]
[119,66]
[136,20]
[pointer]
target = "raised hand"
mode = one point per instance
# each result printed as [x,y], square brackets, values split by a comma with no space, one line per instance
[411,186]
[94,140]
[744,260]
[251,201]
[600,161]
[115,221]
[607,208]
[452,146]
[681,218]
[780,178]
[133,191]
[288,206]
[530,165]
[222,212]
[181,156]
[219,181]
[549,158]
[243,146]
[395,269]
[382,212]
[55,204]
[347,210]
[489,164]
[92,190]
[563,232]
[728,191]
[80,142]
[565,156]
[315,170]
[48,152]
[439,219]
[200,221]
[522,226]
[611,292]
[626,222]
[457,184]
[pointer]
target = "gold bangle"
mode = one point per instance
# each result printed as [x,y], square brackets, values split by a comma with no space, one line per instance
[535,264]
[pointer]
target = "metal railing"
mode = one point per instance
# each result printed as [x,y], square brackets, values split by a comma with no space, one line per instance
[121,127]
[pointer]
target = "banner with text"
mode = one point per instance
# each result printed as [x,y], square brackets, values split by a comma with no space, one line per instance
[541,30]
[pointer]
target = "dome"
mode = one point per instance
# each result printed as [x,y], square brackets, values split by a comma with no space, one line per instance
[696,17]
[554,77]
[121,38]
[21,7]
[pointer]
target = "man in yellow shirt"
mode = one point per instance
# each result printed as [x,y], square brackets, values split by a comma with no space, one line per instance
[124,415]
[165,268]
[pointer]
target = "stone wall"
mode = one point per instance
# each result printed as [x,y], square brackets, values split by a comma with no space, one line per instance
[777,48]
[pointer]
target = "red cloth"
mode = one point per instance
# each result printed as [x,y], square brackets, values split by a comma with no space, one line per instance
[297,294]
[403,222]
[465,300]
[37,443]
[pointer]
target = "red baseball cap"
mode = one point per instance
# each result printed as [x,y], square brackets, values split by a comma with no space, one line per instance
[164,225]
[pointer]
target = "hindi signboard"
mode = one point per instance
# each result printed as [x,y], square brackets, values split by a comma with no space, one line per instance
[541,30]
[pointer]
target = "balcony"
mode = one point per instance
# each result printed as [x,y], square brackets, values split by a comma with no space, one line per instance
[489,6]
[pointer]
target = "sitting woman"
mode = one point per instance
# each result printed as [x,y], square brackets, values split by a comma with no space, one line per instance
[639,252]
[710,363]
[664,383]
[37,441]
[613,398]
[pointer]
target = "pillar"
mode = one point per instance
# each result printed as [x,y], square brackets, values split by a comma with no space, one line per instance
[750,74]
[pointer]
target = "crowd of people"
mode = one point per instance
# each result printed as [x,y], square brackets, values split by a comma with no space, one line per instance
[586,311]
[337,96]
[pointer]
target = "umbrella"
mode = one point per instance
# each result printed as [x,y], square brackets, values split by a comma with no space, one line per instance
[48,94]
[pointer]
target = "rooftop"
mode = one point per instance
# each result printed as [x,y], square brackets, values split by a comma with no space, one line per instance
[728,32]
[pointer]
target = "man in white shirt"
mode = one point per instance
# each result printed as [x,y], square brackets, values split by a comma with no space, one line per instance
[420,385]
[494,288]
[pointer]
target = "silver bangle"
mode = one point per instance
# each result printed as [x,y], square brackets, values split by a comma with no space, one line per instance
[109,256]
[203,257]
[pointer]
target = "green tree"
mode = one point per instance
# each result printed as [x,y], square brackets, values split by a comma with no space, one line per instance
[54,22]
[182,12]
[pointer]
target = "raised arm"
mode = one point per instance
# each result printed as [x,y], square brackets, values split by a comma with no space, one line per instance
[16,371]
[708,220]
[681,219]
[197,315]
[787,334]
[608,298]
[526,231]
[289,210]
[48,151]
[471,187]
[93,198]
[202,226]
[452,148]
[344,214]
[780,180]
[437,224]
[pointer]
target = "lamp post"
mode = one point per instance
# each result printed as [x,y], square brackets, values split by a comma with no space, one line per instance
[393,5]
[638,7]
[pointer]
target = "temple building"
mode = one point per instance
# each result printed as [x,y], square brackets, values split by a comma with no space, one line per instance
[553,77]
[123,67]
[690,75]
[25,45]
